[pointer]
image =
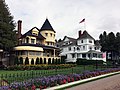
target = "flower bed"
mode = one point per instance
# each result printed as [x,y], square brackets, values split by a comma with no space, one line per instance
[51,81]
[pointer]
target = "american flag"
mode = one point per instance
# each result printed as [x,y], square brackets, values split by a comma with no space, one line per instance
[104,55]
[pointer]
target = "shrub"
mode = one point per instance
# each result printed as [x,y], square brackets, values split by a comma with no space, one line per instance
[88,62]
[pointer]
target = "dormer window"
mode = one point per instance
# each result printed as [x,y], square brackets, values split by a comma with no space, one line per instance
[35,32]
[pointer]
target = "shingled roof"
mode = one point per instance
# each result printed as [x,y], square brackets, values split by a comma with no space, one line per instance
[29,33]
[85,35]
[47,26]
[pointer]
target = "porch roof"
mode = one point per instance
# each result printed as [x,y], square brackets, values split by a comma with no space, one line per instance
[93,51]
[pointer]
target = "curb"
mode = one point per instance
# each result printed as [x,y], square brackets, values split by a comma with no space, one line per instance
[80,81]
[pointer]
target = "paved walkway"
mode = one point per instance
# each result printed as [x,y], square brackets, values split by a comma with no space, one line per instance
[109,83]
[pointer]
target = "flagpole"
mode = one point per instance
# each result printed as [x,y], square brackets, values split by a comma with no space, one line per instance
[84,25]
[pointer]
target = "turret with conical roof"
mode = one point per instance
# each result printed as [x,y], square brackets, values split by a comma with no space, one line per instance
[48,32]
[47,26]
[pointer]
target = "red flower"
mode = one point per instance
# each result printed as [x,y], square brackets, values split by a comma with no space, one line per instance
[72,79]
[41,87]
[64,81]
[33,87]
[68,79]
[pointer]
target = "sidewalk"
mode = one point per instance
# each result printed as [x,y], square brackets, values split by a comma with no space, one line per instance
[109,83]
[81,81]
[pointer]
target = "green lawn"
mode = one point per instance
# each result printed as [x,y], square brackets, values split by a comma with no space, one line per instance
[11,76]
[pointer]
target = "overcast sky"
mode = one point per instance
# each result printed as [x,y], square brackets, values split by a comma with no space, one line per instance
[65,15]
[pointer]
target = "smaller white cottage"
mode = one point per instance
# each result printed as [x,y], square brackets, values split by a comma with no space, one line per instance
[85,46]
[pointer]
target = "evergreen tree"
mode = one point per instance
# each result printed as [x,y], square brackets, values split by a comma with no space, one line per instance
[7,26]
[110,43]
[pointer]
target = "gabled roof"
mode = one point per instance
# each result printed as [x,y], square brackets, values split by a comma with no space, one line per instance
[73,40]
[86,35]
[29,33]
[47,26]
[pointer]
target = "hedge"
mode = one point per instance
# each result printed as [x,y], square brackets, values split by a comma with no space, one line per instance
[88,62]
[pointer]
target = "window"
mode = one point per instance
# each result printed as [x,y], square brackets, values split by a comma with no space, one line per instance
[73,55]
[47,43]
[34,34]
[69,48]
[51,34]
[74,48]
[32,41]
[84,55]
[38,53]
[78,48]
[81,41]
[95,48]
[27,40]
[94,55]
[90,41]
[31,53]
[83,47]
[90,48]
[46,34]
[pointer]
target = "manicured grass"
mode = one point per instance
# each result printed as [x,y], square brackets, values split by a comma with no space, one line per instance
[12,76]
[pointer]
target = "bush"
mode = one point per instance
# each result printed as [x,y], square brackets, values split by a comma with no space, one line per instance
[88,62]
[40,67]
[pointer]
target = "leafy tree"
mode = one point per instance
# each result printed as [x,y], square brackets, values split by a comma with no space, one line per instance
[7,26]
[117,42]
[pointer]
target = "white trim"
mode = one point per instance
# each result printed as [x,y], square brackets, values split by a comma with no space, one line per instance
[29,48]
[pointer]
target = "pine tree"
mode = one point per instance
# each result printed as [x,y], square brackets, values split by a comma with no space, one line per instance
[7,26]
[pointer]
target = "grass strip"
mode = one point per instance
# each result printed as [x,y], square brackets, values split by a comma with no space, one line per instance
[86,81]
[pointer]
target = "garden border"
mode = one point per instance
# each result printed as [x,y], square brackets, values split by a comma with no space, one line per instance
[75,83]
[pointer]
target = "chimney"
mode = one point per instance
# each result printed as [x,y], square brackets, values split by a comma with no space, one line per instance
[79,34]
[19,28]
